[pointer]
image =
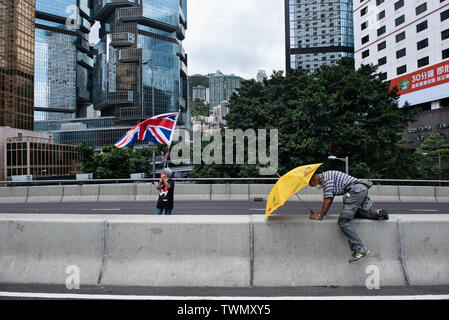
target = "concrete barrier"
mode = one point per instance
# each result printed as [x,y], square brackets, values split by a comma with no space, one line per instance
[230,191]
[48,194]
[426,249]
[39,249]
[220,251]
[442,194]
[203,192]
[118,192]
[384,193]
[309,194]
[178,251]
[260,191]
[192,192]
[82,193]
[13,194]
[417,194]
[295,251]
[147,192]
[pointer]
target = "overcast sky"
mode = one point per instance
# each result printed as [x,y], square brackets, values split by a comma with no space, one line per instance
[235,36]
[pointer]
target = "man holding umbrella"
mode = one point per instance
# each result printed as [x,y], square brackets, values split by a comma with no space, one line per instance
[355,192]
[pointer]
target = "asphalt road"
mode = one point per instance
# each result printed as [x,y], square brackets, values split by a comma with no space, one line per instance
[208,208]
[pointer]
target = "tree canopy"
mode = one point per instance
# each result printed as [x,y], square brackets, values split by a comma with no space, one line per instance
[335,111]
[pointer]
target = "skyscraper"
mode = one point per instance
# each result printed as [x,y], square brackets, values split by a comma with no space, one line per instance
[63,59]
[16,63]
[317,32]
[221,87]
[140,59]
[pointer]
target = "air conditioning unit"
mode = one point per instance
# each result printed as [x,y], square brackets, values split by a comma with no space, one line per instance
[84,176]
[22,178]
[137,176]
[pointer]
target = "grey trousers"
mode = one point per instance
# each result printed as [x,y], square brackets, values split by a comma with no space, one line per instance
[352,201]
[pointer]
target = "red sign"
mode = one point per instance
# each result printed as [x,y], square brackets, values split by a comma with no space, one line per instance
[425,78]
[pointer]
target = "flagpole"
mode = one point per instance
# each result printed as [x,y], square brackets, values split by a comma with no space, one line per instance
[152,105]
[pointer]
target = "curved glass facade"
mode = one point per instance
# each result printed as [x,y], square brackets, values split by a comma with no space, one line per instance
[62,59]
[139,56]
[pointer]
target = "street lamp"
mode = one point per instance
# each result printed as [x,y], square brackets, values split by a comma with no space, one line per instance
[439,165]
[152,104]
[345,160]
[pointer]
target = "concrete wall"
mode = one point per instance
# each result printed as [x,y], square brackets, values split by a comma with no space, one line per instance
[220,251]
[197,192]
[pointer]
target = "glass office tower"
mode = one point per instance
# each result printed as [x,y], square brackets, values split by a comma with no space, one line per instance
[63,58]
[140,59]
[16,63]
[317,32]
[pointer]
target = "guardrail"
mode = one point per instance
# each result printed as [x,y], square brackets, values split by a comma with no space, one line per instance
[210,180]
[131,192]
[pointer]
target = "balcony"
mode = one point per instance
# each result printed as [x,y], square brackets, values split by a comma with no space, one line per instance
[85,61]
[84,10]
[130,55]
[104,8]
[113,98]
[182,18]
[82,45]
[182,104]
[122,39]
[135,14]
[181,32]
[131,113]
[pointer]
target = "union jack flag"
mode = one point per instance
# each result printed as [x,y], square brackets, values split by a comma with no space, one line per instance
[158,129]
[164,158]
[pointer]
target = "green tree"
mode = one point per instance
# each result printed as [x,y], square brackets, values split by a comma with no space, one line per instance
[432,157]
[199,108]
[335,111]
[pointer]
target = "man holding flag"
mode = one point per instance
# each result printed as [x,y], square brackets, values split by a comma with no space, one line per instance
[158,129]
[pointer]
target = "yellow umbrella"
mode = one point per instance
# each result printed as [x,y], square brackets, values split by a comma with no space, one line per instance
[288,185]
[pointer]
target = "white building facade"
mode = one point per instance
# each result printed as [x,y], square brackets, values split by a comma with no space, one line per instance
[409,42]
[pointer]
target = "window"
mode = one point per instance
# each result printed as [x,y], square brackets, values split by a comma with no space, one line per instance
[381,30]
[423,62]
[363,11]
[401,53]
[381,45]
[401,69]
[365,39]
[365,54]
[398,4]
[421,8]
[364,25]
[382,61]
[400,36]
[381,15]
[379,2]
[399,20]
[421,26]
[445,34]
[444,15]
[422,44]
[445,53]
[383,76]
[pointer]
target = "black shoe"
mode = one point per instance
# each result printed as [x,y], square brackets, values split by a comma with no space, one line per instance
[383,213]
[359,256]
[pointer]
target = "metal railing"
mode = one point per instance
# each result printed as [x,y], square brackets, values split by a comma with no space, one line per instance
[210,180]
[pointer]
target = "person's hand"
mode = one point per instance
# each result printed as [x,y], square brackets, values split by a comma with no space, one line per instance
[315,216]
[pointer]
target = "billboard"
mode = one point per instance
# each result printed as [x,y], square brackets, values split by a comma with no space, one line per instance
[425,85]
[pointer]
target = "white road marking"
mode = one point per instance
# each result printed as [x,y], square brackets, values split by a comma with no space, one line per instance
[37,295]
[256,209]
[117,209]
[424,210]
